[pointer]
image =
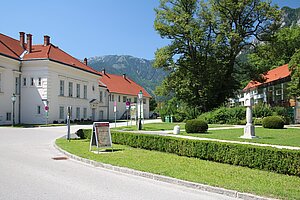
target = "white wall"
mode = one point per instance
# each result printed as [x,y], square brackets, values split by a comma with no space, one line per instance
[121,106]
[9,71]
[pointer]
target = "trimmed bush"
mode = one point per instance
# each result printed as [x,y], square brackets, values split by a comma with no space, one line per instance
[84,133]
[257,121]
[264,158]
[274,122]
[196,126]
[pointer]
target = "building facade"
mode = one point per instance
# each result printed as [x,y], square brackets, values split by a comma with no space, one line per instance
[46,81]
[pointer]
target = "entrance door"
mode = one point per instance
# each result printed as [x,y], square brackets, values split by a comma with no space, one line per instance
[93,114]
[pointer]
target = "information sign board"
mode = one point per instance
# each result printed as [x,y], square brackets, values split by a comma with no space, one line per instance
[101,137]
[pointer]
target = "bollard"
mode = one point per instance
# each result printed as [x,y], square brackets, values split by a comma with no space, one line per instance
[176,130]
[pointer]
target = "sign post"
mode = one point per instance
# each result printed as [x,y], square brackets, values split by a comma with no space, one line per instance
[47,114]
[115,111]
[68,121]
[101,137]
[127,110]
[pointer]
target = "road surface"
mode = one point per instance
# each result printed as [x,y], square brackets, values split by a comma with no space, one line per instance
[28,171]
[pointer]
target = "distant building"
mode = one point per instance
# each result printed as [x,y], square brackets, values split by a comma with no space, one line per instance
[44,76]
[273,91]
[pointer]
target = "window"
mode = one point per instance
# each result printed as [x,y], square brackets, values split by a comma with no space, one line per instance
[84,113]
[24,81]
[85,91]
[78,113]
[113,97]
[17,89]
[78,90]
[39,81]
[129,99]
[119,98]
[38,110]
[0,83]
[61,88]
[124,99]
[31,81]
[70,89]
[135,99]
[279,92]
[8,116]
[144,101]
[61,112]
[101,96]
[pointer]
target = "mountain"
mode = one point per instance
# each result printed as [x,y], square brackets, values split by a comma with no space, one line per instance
[138,69]
[291,16]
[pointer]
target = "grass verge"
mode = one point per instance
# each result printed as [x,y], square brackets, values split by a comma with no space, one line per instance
[191,169]
[287,137]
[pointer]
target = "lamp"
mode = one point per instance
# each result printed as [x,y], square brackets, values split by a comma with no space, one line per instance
[13,99]
[140,97]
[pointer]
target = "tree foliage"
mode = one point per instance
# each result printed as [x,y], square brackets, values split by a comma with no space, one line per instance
[205,40]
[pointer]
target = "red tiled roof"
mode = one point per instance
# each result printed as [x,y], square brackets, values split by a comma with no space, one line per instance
[54,53]
[120,85]
[10,47]
[272,75]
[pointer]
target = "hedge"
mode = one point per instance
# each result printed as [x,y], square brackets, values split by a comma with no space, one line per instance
[196,126]
[84,133]
[264,158]
[273,122]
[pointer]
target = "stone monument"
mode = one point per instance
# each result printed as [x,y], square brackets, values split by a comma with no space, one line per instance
[249,130]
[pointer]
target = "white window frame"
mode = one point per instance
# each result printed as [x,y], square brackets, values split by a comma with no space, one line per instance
[84,113]
[78,90]
[39,81]
[61,88]
[8,116]
[78,113]
[31,81]
[61,112]
[101,96]
[85,91]
[17,85]
[70,89]
[24,81]
[279,92]
[38,110]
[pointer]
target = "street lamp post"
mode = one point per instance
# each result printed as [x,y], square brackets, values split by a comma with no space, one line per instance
[140,97]
[13,99]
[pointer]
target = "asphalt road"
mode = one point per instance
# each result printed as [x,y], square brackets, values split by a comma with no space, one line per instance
[27,171]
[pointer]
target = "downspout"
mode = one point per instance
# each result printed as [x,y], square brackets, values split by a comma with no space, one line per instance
[20,83]
[108,94]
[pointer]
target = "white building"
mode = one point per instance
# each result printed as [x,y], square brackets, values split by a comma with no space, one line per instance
[45,77]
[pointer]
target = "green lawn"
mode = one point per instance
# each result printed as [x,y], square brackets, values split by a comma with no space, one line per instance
[163,126]
[288,137]
[215,174]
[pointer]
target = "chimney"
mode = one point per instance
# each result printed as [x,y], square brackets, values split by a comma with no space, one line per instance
[46,40]
[22,39]
[124,76]
[85,61]
[103,71]
[29,43]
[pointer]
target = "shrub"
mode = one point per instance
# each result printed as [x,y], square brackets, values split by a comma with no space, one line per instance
[257,121]
[224,115]
[84,133]
[264,158]
[274,122]
[196,126]
[262,110]
[283,112]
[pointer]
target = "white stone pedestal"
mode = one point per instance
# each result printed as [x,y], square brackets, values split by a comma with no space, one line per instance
[249,130]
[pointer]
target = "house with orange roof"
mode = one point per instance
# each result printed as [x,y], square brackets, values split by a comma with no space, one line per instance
[121,90]
[45,81]
[273,88]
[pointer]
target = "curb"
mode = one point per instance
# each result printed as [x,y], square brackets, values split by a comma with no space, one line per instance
[166,179]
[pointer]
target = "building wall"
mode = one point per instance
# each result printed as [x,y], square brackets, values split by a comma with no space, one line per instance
[121,105]
[48,93]
[9,71]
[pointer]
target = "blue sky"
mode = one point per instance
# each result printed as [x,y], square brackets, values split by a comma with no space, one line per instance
[90,27]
